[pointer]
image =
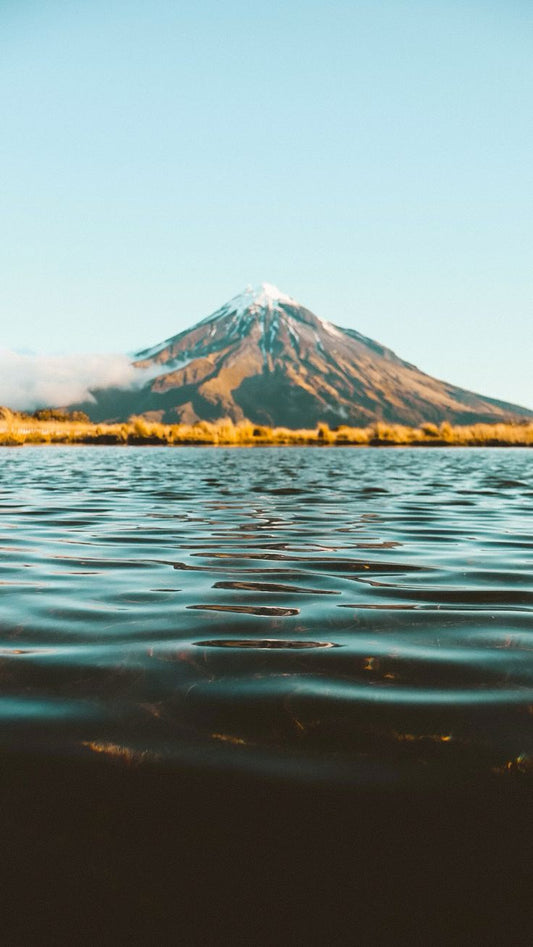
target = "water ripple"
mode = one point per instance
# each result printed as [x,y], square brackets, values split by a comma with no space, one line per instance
[273,609]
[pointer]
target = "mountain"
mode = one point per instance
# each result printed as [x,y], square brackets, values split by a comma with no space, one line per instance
[264,357]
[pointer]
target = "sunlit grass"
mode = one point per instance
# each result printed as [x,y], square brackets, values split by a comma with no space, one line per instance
[19,429]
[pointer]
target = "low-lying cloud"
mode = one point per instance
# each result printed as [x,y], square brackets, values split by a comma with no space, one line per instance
[28,382]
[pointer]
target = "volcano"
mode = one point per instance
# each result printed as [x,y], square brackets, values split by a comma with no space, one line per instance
[265,357]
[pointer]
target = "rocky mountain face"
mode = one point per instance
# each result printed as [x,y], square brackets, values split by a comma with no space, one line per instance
[264,357]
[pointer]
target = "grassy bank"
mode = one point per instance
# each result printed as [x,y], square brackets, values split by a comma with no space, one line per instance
[17,430]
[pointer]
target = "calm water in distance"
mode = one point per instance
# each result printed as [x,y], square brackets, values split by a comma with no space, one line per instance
[355,615]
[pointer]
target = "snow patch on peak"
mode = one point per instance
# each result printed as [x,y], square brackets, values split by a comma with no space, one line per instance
[254,298]
[331,328]
[244,308]
[266,294]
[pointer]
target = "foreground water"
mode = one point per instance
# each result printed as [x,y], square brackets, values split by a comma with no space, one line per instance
[266,696]
[353,615]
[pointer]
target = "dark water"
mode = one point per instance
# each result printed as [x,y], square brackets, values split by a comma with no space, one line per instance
[339,630]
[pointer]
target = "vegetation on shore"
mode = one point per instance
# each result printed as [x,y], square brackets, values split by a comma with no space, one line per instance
[54,427]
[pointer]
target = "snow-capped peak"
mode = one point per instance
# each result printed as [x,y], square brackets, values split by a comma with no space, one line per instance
[252,300]
[267,294]
[264,296]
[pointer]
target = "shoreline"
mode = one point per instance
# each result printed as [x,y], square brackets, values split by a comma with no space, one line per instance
[61,429]
[271,444]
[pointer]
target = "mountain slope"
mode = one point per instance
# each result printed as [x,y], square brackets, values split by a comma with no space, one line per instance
[265,357]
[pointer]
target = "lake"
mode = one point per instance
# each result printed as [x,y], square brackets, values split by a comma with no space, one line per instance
[204,650]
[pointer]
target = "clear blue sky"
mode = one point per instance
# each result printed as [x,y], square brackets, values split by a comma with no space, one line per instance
[372,159]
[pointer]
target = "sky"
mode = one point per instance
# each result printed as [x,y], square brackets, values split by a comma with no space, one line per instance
[373,160]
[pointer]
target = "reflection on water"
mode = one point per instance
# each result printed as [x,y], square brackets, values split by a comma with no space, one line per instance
[349,611]
[260,643]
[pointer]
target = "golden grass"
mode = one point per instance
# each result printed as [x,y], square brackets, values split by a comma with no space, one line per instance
[18,429]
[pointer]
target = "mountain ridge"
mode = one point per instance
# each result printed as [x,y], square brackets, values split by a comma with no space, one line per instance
[265,357]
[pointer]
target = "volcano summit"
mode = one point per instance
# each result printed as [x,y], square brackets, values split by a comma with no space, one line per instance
[265,357]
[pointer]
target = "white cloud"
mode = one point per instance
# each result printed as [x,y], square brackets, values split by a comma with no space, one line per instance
[30,381]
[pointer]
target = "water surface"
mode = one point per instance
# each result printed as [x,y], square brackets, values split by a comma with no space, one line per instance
[351,614]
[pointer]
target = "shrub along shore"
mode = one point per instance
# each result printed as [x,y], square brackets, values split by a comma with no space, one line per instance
[53,427]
